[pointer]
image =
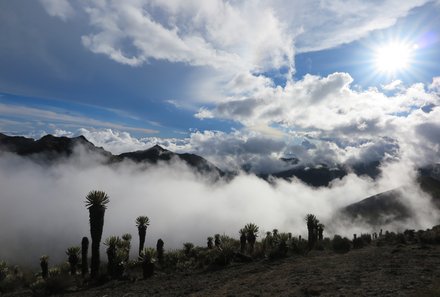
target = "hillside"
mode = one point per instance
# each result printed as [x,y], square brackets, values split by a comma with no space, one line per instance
[51,148]
[389,270]
[386,207]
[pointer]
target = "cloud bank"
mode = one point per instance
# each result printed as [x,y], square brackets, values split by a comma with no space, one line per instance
[43,208]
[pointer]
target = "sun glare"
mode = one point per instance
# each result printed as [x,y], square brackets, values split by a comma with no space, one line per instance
[393,57]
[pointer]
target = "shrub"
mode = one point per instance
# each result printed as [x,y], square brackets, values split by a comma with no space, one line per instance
[358,243]
[340,245]
[430,236]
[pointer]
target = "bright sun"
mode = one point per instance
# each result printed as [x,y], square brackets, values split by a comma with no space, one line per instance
[393,57]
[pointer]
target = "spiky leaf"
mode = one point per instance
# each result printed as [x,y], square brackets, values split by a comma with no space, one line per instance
[142,221]
[97,198]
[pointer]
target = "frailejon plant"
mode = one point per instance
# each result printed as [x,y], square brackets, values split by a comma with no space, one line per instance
[44,264]
[209,242]
[320,231]
[160,250]
[147,260]
[251,236]
[217,241]
[112,243]
[73,258]
[126,244]
[242,240]
[142,223]
[187,248]
[96,202]
[312,225]
[84,253]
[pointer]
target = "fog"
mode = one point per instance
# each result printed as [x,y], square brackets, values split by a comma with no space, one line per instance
[43,210]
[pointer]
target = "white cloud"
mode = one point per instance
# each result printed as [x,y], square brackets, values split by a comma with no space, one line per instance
[204,113]
[63,117]
[435,85]
[392,85]
[58,8]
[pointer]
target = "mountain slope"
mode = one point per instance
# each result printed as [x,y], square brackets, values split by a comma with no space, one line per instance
[50,148]
[388,206]
[319,176]
[156,154]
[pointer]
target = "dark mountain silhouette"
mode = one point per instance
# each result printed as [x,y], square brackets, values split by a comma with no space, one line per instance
[322,175]
[51,148]
[157,153]
[318,176]
[388,206]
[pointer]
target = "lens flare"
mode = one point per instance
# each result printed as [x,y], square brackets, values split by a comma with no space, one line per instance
[393,57]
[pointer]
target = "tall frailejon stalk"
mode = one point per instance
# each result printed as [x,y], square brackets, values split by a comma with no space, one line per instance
[84,253]
[73,258]
[126,245]
[217,241]
[160,250]
[44,264]
[209,242]
[320,232]
[142,222]
[96,202]
[251,236]
[242,240]
[312,226]
[112,244]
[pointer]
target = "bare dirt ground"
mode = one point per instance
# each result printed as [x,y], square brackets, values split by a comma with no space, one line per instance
[404,270]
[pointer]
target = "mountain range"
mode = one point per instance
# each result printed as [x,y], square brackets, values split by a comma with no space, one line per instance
[373,209]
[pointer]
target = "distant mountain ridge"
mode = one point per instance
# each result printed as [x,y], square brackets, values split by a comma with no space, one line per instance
[51,148]
[373,209]
[388,206]
[48,145]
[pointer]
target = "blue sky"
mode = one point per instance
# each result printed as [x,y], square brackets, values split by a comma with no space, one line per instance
[185,70]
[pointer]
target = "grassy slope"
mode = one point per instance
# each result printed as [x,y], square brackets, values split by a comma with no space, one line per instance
[405,270]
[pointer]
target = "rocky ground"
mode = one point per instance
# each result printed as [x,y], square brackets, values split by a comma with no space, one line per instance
[399,270]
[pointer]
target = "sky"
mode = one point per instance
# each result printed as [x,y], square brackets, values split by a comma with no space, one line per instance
[238,82]
[241,83]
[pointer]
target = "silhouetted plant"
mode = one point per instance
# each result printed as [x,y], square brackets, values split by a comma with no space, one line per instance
[44,264]
[3,270]
[357,242]
[217,242]
[147,260]
[268,242]
[251,236]
[275,234]
[410,234]
[84,252]
[73,258]
[366,238]
[340,245]
[112,243]
[160,250]
[320,232]
[120,262]
[209,242]
[96,202]
[126,245]
[242,240]
[142,222]
[224,255]
[312,224]
[187,248]
[280,248]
